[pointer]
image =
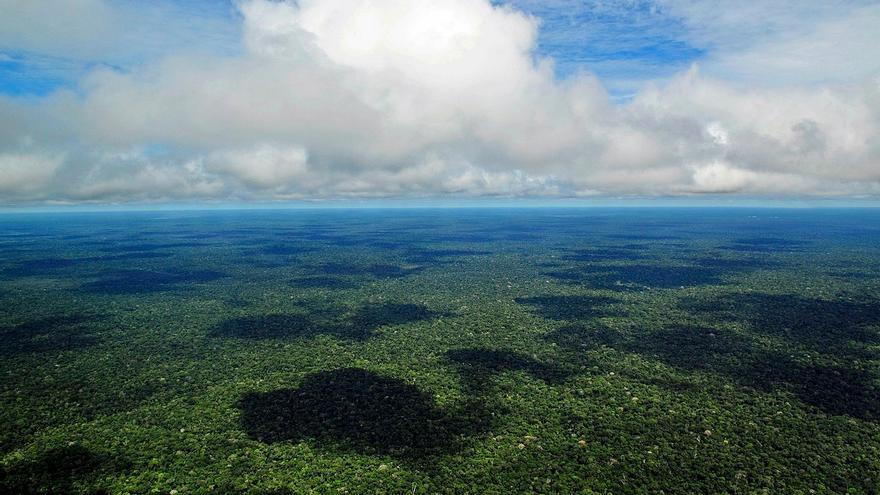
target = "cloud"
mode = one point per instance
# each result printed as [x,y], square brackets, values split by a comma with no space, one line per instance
[78,27]
[418,98]
[51,44]
[26,172]
[114,31]
[751,42]
[262,166]
[784,42]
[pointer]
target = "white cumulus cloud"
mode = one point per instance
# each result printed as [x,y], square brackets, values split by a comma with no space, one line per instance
[401,98]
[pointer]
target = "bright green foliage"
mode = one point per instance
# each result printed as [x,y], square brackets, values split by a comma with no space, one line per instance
[485,351]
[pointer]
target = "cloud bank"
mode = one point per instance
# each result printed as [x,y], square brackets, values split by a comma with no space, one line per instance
[419,98]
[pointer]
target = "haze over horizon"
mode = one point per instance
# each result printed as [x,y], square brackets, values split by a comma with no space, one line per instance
[259,101]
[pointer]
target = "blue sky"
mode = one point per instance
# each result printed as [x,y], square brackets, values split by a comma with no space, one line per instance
[149,31]
[252,101]
[625,44]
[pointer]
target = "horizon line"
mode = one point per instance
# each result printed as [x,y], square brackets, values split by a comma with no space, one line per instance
[445,205]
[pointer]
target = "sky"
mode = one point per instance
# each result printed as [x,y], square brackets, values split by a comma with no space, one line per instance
[261,101]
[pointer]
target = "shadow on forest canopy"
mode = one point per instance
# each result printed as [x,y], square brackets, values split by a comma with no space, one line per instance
[599,253]
[52,333]
[747,361]
[592,270]
[766,245]
[477,366]
[115,282]
[43,267]
[285,249]
[842,327]
[735,265]
[639,276]
[378,270]
[318,282]
[115,247]
[355,409]
[57,471]
[359,325]
[439,256]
